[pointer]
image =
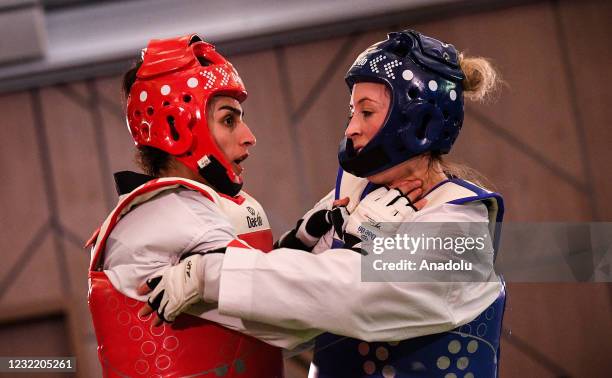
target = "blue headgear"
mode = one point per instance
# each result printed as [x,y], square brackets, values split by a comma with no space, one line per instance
[426,110]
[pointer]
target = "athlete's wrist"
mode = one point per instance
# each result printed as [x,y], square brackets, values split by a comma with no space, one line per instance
[210,271]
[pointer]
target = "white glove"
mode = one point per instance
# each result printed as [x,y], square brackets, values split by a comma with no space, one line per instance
[381,211]
[177,288]
[313,225]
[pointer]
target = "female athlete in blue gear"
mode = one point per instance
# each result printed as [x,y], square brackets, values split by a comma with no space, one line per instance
[406,112]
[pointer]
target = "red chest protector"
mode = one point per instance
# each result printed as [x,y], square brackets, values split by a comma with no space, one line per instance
[129,346]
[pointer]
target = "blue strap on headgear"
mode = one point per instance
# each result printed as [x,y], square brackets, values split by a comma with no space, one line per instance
[426,111]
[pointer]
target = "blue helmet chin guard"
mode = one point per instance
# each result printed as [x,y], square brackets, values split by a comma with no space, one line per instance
[426,110]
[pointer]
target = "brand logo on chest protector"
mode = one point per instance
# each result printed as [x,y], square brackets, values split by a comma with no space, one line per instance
[255,220]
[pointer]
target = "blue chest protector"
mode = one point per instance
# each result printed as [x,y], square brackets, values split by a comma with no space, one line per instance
[469,351]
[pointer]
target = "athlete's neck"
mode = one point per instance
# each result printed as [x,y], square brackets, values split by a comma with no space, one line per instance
[178,169]
[420,168]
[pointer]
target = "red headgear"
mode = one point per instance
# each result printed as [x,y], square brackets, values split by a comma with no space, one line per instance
[166,108]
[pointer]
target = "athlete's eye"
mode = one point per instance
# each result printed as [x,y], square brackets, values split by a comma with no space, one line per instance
[229,121]
[366,113]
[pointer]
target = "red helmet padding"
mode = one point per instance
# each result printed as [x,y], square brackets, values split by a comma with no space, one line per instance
[167,103]
[166,55]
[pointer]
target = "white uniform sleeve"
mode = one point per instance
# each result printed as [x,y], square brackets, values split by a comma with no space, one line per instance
[271,334]
[302,291]
[156,234]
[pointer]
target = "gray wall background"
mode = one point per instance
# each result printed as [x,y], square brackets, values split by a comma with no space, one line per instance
[545,143]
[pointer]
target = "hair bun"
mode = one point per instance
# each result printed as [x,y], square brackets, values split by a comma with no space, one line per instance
[481,79]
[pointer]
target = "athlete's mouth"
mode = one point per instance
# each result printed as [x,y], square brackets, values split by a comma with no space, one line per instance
[241,159]
[237,167]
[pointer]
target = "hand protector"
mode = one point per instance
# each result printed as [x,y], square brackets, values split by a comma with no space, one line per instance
[381,212]
[313,225]
[177,288]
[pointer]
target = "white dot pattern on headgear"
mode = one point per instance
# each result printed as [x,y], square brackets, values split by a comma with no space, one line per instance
[432,85]
[165,89]
[192,82]
[375,61]
[143,96]
[236,78]
[450,375]
[210,79]
[453,95]
[223,74]
[407,75]
[389,68]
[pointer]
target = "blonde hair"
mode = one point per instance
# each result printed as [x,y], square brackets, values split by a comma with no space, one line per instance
[462,171]
[480,84]
[481,79]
